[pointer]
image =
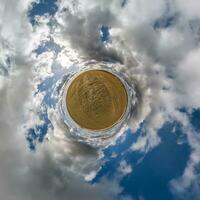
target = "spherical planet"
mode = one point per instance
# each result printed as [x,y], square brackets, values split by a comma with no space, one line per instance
[96,99]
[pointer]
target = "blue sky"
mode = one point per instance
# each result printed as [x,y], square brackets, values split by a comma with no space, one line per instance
[158,160]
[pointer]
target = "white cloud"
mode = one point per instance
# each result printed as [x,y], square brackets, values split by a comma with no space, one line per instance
[124,168]
[187,185]
[189,10]
[57,169]
[168,72]
[188,73]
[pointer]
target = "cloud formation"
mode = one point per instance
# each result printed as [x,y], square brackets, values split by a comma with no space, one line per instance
[155,43]
[57,169]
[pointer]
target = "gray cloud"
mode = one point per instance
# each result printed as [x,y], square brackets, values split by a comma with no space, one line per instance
[163,60]
[57,169]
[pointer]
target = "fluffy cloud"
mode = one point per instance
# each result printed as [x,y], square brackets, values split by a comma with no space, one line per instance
[124,168]
[57,169]
[157,42]
[188,73]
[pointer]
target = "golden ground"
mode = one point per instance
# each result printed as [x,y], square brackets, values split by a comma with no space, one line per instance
[96,99]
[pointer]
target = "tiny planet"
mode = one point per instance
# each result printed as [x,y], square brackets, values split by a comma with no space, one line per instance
[96,99]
